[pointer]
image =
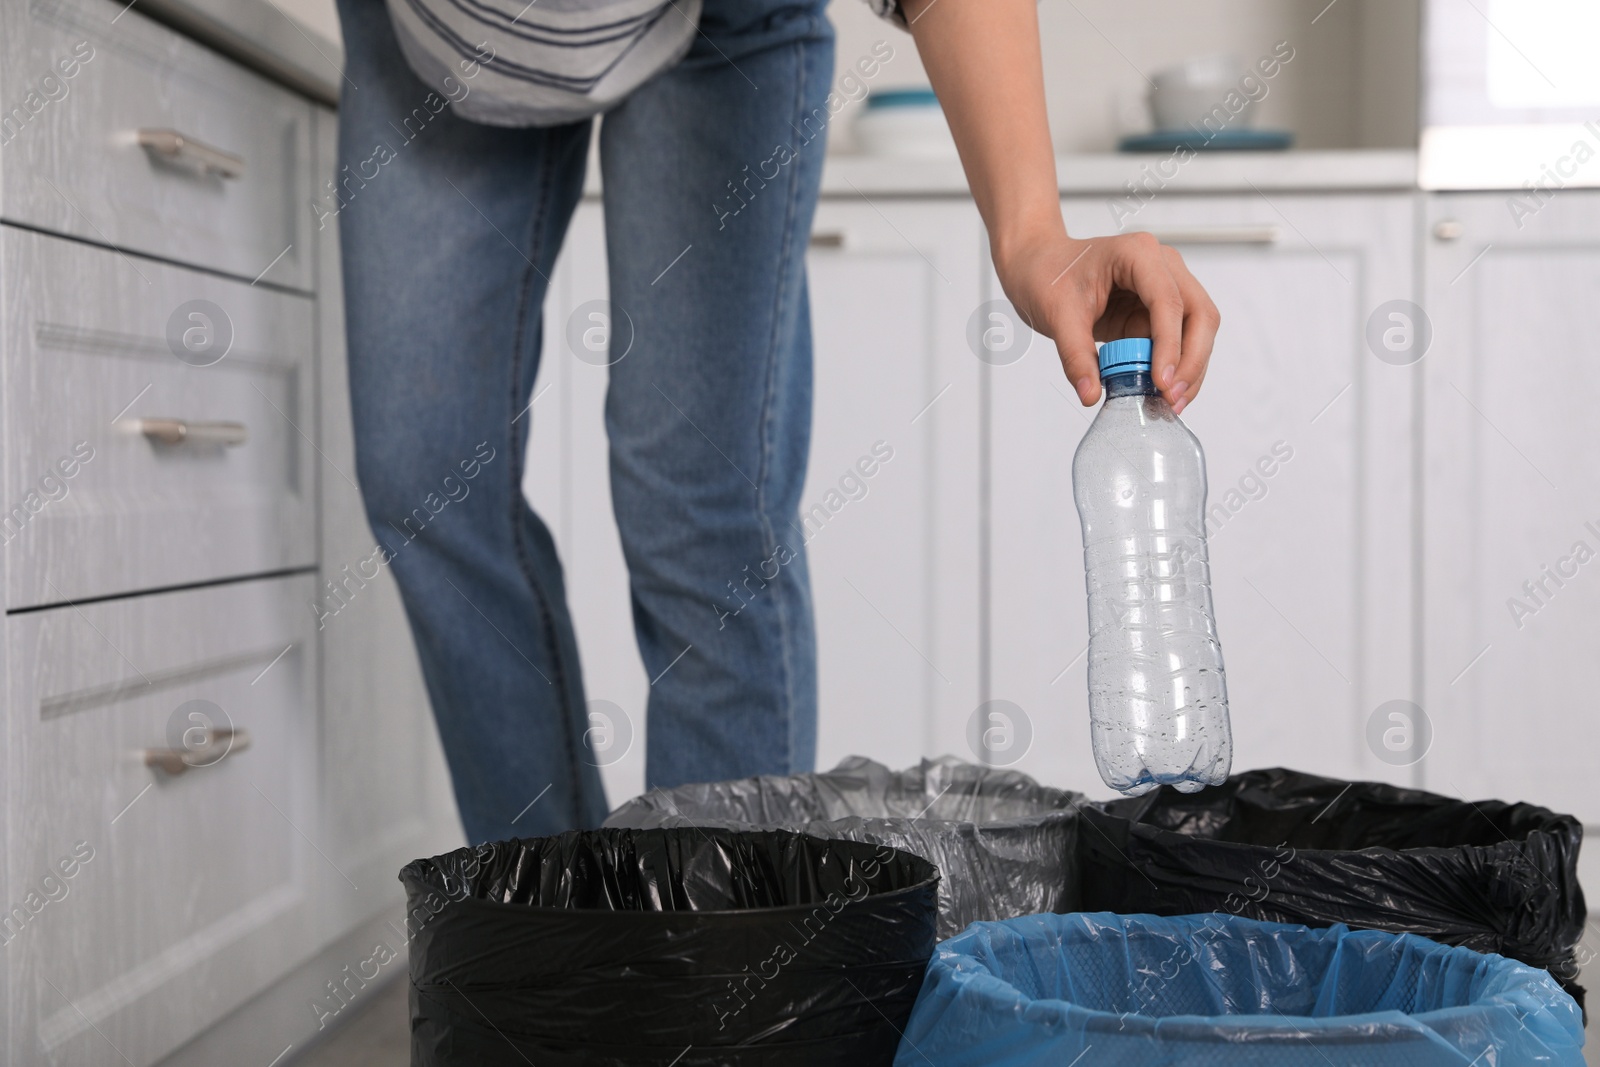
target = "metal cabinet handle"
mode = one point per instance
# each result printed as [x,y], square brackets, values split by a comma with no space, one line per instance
[170,144]
[1220,235]
[827,239]
[182,431]
[220,741]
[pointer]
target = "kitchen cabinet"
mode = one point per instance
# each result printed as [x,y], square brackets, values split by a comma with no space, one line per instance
[386,792]
[151,503]
[120,132]
[1309,439]
[146,899]
[956,579]
[894,556]
[568,482]
[895,574]
[218,749]
[1511,524]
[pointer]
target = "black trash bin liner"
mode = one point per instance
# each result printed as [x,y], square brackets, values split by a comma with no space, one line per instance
[1285,846]
[1003,842]
[697,947]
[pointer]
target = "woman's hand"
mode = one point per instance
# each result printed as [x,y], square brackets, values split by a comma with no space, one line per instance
[1077,292]
[983,59]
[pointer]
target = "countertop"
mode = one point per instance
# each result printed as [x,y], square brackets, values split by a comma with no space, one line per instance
[258,34]
[1110,172]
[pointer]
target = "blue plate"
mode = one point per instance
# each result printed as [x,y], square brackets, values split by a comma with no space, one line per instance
[902,98]
[1205,141]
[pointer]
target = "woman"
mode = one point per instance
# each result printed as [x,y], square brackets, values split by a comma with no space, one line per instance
[449,231]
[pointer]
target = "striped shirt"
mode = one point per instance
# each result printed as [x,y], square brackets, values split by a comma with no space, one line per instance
[546,62]
[888,9]
[515,63]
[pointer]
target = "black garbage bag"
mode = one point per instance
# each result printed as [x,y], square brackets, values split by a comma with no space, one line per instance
[694,947]
[1003,842]
[1284,846]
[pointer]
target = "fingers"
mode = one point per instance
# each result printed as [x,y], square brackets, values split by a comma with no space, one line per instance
[1129,285]
[1081,360]
[1140,264]
[1069,311]
[1200,323]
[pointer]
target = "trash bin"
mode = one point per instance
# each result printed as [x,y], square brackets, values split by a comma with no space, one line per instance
[1284,846]
[1221,991]
[693,947]
[1003,842]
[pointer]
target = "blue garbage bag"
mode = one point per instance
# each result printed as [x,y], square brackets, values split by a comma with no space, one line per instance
[1216,989]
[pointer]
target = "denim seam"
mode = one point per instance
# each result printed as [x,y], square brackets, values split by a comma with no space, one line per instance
[516,468]
[768,537]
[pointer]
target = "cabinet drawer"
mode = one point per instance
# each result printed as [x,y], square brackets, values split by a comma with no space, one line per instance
[80,80]
[190,891]
[95,503]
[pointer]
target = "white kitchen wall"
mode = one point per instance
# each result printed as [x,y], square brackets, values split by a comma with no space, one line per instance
[1389,36]
[318,15]
[1352,82]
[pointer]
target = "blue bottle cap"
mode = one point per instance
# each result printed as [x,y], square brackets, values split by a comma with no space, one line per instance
[1124,356]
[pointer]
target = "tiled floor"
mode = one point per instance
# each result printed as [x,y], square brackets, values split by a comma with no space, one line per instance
[377,1035]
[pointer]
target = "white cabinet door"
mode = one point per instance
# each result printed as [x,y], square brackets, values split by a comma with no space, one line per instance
[145,900]
[386,792]
[1511,527]
[894,555]
[1307,438]
[568,482]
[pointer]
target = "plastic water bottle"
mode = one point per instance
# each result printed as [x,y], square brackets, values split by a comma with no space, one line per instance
[1158,705]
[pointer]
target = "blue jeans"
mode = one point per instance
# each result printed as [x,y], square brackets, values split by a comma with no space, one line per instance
[449,230]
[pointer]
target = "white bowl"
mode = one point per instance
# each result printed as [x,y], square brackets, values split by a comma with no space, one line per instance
[914,132]
[1186,95]
[1215,70]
